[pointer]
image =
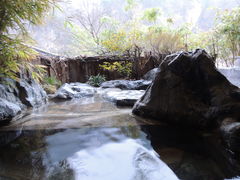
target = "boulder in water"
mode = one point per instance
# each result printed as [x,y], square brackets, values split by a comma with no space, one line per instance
[127,84]
[190,91]
[8,110]
[15,96]
[123,97]
[74,90]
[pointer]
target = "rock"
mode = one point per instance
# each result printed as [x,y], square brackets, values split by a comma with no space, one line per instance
[189,91]
[31,93]
[150,75]
[123,97]
[8,110]
[127,84]
[17,96]
[230,131]
[74,90]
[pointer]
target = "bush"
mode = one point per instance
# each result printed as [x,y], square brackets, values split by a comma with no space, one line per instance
[52,81]
[124,68]
[96,80]
[50,84]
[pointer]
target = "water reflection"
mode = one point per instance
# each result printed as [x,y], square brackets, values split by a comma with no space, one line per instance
[91,139]
[86,154]
[188,154]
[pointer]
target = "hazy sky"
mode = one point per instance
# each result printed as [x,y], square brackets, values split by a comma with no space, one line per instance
[173,8]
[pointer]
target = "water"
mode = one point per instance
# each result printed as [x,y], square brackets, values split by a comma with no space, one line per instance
[90,139]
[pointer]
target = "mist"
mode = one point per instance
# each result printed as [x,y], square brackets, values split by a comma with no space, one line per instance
[64,29]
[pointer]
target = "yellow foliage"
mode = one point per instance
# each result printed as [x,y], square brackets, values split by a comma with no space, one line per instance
[160,42]
[124,68]
[122,41]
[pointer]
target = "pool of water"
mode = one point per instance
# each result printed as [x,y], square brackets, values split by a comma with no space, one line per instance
[91,139]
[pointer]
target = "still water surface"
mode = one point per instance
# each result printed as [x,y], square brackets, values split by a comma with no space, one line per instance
[91,139]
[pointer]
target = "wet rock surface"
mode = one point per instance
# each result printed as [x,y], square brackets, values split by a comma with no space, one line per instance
[8,110]
[190,91]
[122,97]
[17,96]
[230,130]
[74,90]
[150,75]
[127,84]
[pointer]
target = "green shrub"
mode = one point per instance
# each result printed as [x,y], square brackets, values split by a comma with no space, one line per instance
[52,81]
[96,80]
[50,84]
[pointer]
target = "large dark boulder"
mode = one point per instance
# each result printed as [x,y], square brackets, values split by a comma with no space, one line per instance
[230,131]
[189,91]
[16,96]
[127,84]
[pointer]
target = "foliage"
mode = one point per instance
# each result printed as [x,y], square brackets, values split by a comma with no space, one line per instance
[164,42]
[152,14]
[52,81]
[228,32]
[50,84]
[115,42]
[14,55]
[130,4]
[135,30]
[96,80]
[124,68]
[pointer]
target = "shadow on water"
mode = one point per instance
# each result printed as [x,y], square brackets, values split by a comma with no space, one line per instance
[190,155]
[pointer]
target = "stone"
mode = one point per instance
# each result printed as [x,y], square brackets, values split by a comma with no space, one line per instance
[230,131]
[16,96]
[31,93]
[127,84]
[189,91]
[150,75]
[8,110]
[74,90]
[123,97]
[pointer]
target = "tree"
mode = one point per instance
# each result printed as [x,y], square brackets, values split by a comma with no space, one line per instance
[152,14]
[228,29]
[90,18]
[15,16]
